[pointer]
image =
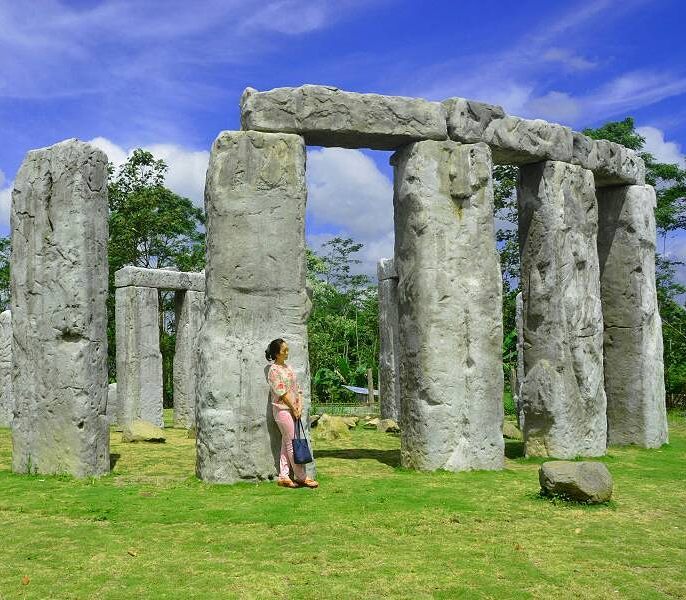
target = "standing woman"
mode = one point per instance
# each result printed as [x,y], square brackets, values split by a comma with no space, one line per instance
[286,398]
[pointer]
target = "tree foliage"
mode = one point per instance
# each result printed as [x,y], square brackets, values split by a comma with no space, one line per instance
[343,326]
[151,226]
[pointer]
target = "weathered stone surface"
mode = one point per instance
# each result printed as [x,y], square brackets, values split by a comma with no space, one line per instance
[139,360]
[142,431]
[388,426]
[255,203]
[59,319]
[634,370]
[449,308]
[166,279]
[512,140]
[327,116]
[112,406]
[611,163]
[583,481]
[519,317]
[389,344]
[190,308]
[6,404]
[562,392]
[331,427]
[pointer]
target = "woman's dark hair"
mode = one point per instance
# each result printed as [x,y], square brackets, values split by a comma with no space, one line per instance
[273,349]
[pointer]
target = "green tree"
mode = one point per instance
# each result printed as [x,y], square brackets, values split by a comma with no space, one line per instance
[151,226]
[343,326]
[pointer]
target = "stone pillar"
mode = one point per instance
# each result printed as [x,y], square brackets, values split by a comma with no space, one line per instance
[190,307]
[112,406]
[449,308]
[389,379]
[519,318]
[139,360]
[255,291]
[6,404]
[634,369]
[59,319]
[562,392]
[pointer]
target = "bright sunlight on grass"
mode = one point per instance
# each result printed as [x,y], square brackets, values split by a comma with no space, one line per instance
[373,530]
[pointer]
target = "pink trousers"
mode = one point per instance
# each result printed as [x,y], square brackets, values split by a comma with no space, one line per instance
[284,419]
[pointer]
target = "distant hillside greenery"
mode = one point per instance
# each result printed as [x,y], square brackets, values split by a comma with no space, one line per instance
[151,226]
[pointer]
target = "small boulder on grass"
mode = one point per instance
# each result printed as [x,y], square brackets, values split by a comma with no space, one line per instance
[511,432]
[583,481]
[331,428]
[142,431]
[387,426]
[351,422]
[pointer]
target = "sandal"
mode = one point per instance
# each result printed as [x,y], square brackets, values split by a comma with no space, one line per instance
[310,483]
[286,483]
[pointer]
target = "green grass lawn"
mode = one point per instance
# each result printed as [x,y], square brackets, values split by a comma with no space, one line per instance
[373,530]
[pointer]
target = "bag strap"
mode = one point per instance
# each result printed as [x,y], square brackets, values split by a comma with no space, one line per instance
[299,428]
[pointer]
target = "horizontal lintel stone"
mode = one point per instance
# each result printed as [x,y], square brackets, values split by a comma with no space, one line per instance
[611,163]
[327,116]
[165,279]
[512,140]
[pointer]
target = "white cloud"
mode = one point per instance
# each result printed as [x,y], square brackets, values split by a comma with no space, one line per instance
[662,150]
[349,196]
[568,59]
[5,206]
[187,168]
[554,106]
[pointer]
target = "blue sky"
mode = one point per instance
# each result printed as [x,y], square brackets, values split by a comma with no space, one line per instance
[168,75]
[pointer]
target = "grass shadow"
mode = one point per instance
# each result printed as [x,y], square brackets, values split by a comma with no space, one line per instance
[514,449]
[113,460]
[387,457]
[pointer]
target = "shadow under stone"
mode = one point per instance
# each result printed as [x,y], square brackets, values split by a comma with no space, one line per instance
[387,457]
[113,460]
[514,449]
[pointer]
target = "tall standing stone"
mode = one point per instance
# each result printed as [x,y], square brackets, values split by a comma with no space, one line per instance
[255,291]
[562,392]
[449,308]
[59,320]
[112,406]
[389,344]
[139,360]
[634,369]
[190,308]
[519,318]
[6,404]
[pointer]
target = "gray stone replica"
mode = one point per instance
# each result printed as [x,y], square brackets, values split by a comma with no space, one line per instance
[112,406]
[389,344]
[190,307]
[562,392]
[59,319]
[139,360]
[612,164]
[449,308]
[519,318]
[634,370]
[142,431]
[327,116]
[165,279]
[255,203]
[6,404]
[583,481]
[513,140]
